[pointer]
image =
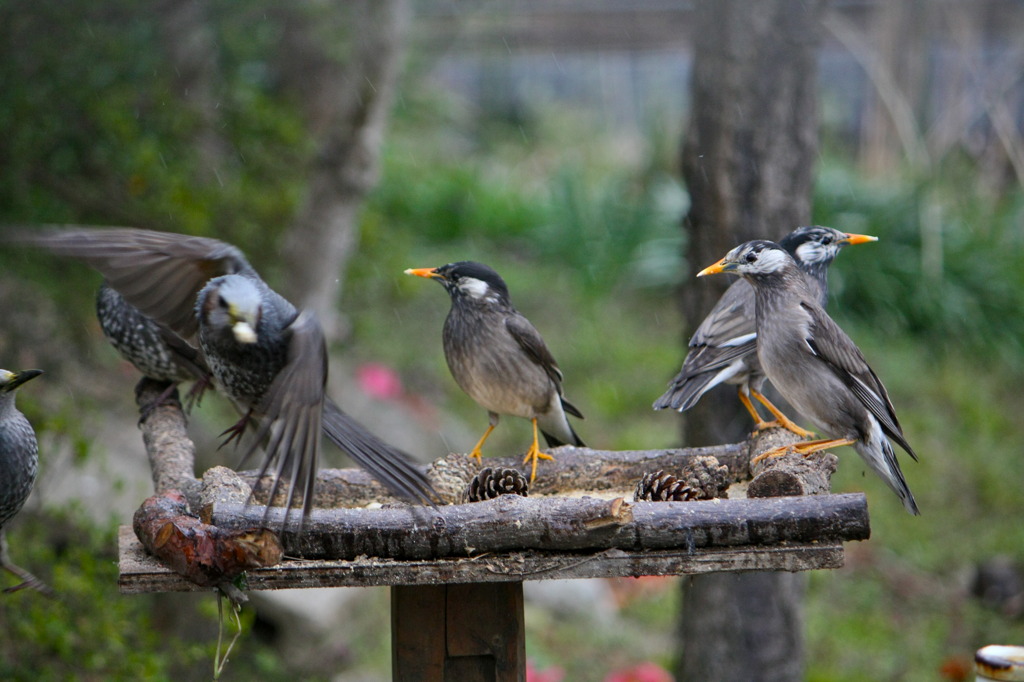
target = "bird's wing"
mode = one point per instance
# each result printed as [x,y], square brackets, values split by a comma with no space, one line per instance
[291,411]
[159,273]
[728,332]
[530,341]
[830,343]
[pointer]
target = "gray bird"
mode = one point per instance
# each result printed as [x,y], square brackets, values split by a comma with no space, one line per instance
[724,347]
[19,463]
[265,355]
[815,366]
[499,359]
[154,350]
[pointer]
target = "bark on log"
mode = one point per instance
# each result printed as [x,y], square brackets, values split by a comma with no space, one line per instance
[790,474]
[572,469]
[511,522]
[142,573]
[172,454]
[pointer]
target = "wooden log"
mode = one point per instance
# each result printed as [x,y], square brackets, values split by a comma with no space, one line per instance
[142,573]
[572,469]
[171,452]
[790,474]
[511,522]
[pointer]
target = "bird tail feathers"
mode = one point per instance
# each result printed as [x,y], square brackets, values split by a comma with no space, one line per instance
[393,468]
[884,463]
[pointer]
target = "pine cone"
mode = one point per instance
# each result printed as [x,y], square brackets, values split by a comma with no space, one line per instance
[450,475]
[490,483]
[662,487]
[707,477]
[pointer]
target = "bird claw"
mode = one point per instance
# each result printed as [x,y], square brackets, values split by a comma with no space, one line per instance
[784,424]
[532,457]
[774,452]
[234,433]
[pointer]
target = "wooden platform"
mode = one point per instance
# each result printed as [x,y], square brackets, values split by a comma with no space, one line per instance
[140,573]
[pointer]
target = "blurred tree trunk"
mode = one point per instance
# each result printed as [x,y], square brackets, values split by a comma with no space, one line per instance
[191,48]
[748,161]
[342,61]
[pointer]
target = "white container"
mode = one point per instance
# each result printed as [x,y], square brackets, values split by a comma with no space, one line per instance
[999,663]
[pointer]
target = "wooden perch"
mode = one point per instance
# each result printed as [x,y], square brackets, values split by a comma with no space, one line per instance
[572,469]
[514,538]
[206,555]
[790,474]
[511,522]
[172,454]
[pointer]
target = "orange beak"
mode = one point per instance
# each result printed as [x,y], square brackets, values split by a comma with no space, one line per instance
[857,239]
[429,273]
[718,267]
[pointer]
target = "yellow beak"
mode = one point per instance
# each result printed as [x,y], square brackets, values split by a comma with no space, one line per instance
[713,269]
[429,273]
[851,238]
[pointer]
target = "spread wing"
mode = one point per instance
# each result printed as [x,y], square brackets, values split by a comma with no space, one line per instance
[159,273]
[291,412]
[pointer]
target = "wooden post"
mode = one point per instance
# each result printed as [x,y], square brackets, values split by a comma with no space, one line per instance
[458,633]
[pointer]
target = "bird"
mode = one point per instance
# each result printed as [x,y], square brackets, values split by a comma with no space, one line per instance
[499,359]
[19,464]
[264,354]
[154,350]
[724,347]
[816,367]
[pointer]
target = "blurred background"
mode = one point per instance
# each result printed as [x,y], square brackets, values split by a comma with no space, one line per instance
[338,143]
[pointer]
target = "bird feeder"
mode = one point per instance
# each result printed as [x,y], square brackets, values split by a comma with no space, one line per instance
[456,571]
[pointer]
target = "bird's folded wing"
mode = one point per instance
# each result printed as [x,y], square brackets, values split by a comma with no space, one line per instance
[830,343]
[529,339]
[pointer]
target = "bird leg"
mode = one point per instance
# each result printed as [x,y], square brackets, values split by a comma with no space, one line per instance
[161,399]
[759,424]
[195,394]
[475,452]
[780,419]
[805,449]
[234,433]
[29,581]
[534,453]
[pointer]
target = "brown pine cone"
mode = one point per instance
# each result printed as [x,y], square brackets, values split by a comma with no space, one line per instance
[662,487]
[490,483]
[707,477]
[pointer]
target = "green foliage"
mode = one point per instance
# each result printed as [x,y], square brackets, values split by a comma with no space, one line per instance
[946,269]
[99,132]
[90,632]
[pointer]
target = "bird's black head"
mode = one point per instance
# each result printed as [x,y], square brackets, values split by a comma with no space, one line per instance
[468,280]
[817,245]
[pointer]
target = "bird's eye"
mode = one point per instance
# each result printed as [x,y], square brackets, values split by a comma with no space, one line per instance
[826,240]
[221,302]
[750,257]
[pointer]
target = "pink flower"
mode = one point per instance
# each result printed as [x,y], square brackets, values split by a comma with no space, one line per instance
[379,381]
[644,672]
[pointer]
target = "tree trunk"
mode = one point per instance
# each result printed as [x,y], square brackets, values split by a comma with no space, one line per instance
[191,48]
[346,98]
[748,161]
